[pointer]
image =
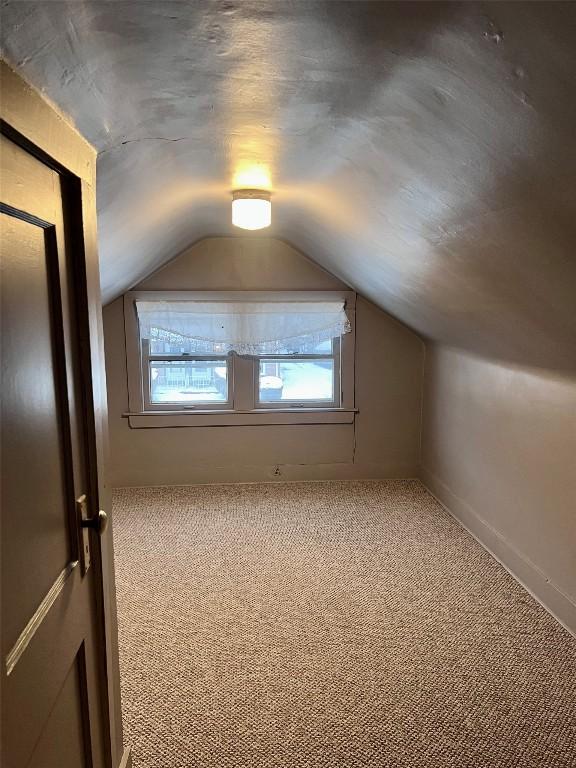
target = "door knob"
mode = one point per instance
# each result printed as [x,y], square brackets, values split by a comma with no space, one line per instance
[98,523]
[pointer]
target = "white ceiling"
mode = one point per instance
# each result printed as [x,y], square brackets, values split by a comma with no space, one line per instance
[424,153]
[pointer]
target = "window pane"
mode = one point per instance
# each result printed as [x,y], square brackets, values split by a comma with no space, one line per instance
[189,381]
[304,348]
[299,380]
[164,343]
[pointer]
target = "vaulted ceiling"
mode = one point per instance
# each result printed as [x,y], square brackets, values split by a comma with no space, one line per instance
[424,153]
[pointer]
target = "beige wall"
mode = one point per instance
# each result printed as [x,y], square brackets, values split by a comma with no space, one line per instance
[499,450]
[384,442]
[498,441]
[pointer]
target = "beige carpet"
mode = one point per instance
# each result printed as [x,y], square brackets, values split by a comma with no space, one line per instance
[324,625]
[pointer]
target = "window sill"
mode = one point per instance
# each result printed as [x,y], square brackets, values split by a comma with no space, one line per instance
[258,417]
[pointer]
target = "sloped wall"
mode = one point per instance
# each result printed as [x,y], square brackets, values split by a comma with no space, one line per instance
[499,450]
[384,441]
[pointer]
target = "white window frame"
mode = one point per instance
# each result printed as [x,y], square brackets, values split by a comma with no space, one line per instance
[243,406]
[146,360]
[336,400]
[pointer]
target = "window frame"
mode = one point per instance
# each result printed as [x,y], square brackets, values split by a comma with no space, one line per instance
[243,406]
[336,400]
[146,359]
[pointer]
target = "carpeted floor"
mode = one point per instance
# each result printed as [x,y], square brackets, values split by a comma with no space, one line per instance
[324,625]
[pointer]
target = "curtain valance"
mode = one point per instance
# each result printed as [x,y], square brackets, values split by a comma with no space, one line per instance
[249,328]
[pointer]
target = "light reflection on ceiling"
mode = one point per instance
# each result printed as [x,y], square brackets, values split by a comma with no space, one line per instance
[422,152]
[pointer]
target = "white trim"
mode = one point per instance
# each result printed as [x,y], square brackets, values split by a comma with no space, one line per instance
[147,359]
[334,402]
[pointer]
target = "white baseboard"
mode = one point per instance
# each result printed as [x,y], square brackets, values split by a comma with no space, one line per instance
[526,573]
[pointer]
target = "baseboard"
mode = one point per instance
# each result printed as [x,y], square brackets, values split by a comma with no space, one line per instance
[282,473]
[526,573]
[126,761]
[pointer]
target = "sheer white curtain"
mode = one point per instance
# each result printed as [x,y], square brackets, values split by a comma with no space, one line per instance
[249,328]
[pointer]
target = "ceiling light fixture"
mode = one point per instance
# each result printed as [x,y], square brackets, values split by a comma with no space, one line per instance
[251,208]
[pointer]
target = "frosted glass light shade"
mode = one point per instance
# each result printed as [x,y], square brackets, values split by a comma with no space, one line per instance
[251,209]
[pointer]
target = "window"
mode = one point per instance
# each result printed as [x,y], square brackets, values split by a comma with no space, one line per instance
[308,377]
[175,378]
[239,358]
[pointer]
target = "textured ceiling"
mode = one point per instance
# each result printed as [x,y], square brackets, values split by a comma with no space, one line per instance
[425,153]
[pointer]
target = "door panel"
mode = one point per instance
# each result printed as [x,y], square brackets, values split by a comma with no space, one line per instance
[68,718]
[32,687]
[32,440]
[52,643]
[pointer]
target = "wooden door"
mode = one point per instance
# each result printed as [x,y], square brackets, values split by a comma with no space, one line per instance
[53,647]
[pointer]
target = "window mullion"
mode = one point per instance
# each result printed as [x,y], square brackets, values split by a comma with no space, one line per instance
[146,373]
[244,383]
